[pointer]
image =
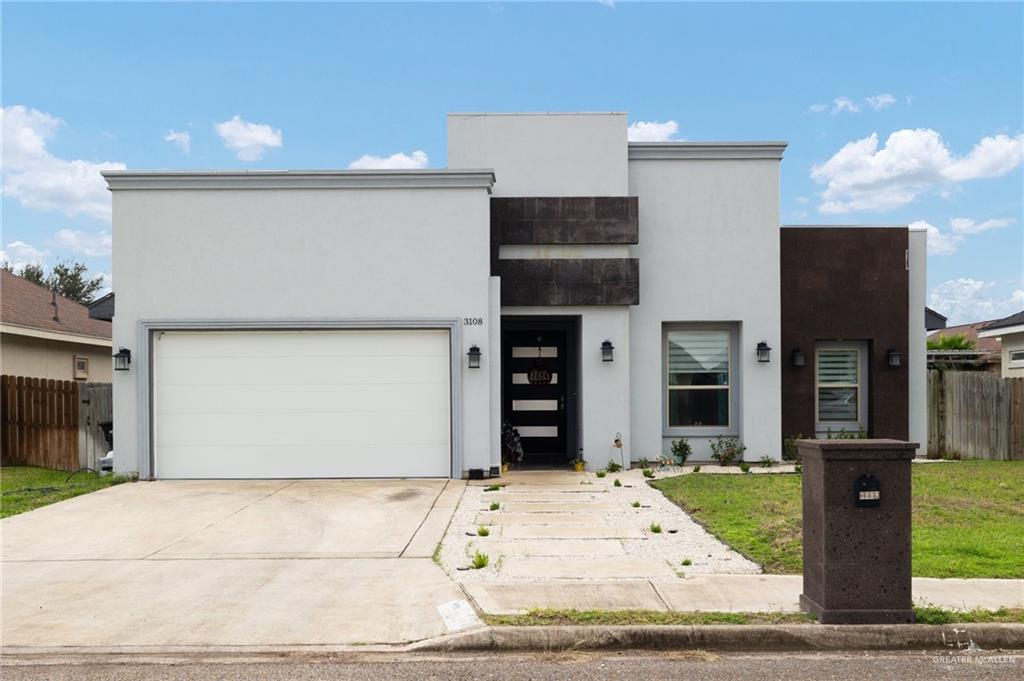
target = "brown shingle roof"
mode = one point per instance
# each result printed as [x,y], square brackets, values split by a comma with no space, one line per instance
[1013,320]
[25,304]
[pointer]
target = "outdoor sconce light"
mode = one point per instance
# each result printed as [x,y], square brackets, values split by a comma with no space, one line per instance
[895,357]
[607,351]
[122,358]
[798,358]
[474,357]
[763,351]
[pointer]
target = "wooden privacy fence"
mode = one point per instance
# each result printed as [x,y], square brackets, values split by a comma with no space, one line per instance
[52,424]
[975,414]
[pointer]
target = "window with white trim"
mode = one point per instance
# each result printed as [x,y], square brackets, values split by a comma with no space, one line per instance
[698,381]
[838,385]
[1016,358]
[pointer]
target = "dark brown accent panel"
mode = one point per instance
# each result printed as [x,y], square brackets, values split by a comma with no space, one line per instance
[845,284]
[582,281]
[565,220]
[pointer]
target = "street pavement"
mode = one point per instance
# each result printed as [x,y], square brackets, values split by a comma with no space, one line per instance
[627,666]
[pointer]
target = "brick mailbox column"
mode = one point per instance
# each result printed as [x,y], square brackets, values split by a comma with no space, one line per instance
[856,522]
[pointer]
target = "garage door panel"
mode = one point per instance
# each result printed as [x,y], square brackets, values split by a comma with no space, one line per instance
[299,430]
[282,461]
[320,343]
[291,404]
[183,399]
[302,370]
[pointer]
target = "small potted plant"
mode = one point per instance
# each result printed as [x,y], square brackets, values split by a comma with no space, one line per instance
[682,450]
[579,463]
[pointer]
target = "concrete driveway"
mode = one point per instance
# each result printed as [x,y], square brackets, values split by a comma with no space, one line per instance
[226,563]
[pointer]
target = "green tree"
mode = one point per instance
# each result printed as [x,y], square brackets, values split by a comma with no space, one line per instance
[957,341]
[67,278]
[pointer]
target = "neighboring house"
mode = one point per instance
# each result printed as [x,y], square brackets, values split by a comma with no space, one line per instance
[932,320]
[986,355]
[1009,332]
[103,307]
[44,335]
[582,288]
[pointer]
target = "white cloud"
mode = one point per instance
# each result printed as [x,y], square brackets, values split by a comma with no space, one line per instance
[803,200]
[970,300]
[991,157]
[19,254]
[860,176]
[840,104]
[180,138]
[89,244]
[248,140]
[652,131]
[418,159]
[970,226]
[38,180]
[607,3]
[881,101]
[817,108]
[939,242]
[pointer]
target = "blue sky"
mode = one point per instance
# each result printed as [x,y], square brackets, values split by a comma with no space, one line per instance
[939,86]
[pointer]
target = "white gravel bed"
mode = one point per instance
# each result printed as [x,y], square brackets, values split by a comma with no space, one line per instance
[680,539]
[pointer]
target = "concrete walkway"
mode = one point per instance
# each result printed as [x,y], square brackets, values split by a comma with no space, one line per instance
[721,593]
[233,563]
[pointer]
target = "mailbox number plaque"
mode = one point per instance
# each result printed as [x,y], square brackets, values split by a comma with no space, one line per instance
[867,491]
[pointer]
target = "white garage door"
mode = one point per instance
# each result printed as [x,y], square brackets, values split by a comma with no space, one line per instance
[301,404]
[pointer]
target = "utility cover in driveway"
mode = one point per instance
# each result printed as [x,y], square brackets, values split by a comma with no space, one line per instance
[302,404]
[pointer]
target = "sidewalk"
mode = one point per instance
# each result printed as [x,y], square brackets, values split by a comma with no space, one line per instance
[719,593]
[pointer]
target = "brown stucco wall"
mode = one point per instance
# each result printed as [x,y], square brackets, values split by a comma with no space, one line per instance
[845,284]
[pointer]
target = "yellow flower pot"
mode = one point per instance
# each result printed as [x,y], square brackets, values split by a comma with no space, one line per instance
[578,466]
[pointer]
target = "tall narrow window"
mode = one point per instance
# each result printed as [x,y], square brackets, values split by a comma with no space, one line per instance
[698,378]
[838,385]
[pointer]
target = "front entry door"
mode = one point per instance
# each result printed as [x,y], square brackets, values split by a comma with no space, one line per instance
[535,391]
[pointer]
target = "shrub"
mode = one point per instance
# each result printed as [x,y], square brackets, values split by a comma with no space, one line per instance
[744,466]
[480,560]
[635,504]
[613,467]
[682,450]
[790,452]
[648,473]
[618,483]
[483,531]
[727,450]
[957,341]
[495,505]
[767,462]
[492,488]
[696,469]
[643,462]
[844,434]
[687,561]
[655,528]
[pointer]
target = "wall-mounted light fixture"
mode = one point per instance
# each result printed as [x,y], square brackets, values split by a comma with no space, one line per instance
[122,359]
[607,351]
[763,352]
[895,357]
[798,358]
[474,357]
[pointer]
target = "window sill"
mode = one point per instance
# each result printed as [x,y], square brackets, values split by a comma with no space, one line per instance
[700,431]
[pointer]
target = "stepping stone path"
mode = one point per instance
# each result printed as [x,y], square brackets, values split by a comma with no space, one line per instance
[568,528]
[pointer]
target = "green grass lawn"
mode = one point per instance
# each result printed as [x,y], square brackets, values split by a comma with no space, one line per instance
[23,488]
[968,517]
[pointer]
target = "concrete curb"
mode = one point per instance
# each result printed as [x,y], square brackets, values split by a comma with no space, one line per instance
[731,637]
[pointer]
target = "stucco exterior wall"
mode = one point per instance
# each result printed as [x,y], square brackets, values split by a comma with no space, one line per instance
[44,358]
[1011,341]
[709,252]
[303,254]
[917,348]
[544,154]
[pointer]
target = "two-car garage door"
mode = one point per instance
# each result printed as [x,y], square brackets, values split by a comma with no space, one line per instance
[302,404]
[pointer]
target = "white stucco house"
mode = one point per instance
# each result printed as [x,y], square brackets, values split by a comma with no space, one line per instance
[555,277]
[1010,332]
